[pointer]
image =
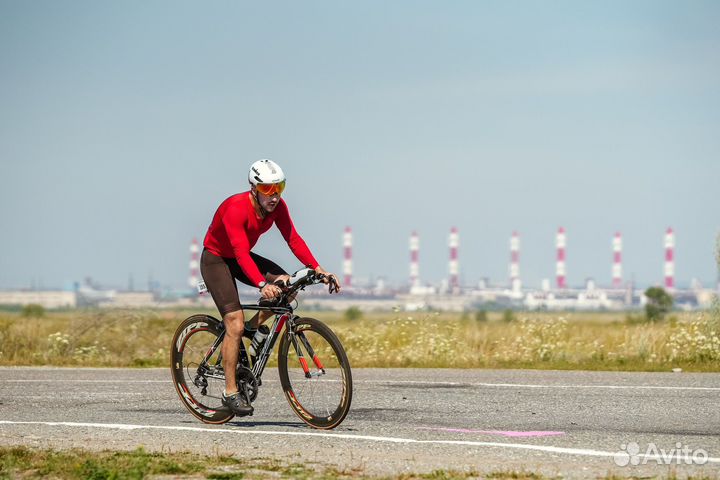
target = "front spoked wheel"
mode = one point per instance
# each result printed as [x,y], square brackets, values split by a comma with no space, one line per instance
[199,381]
[318,382]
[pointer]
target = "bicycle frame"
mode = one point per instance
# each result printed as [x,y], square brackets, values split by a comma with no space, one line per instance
[281,320]
[284,317]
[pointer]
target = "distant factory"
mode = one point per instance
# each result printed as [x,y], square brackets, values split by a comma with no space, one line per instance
[448,295]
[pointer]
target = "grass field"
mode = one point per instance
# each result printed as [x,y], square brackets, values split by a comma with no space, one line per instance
[22,462]
[592,341]
[26,463]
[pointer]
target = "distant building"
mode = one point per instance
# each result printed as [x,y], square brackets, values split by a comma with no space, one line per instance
[130,300]
[48,299]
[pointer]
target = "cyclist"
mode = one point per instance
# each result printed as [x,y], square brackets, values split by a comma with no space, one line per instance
[238,223]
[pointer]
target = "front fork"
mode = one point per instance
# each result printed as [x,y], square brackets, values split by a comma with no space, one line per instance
[301,357]
[288,320]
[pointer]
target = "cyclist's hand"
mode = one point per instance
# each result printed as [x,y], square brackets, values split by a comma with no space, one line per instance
[335,286]
[270,291]
[285,279]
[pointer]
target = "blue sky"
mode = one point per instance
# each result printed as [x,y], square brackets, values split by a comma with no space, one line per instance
[123,126]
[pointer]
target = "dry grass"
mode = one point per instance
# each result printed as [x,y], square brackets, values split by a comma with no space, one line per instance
[23,462]
[27,463]
[603,341]
[88,338]
[600,341]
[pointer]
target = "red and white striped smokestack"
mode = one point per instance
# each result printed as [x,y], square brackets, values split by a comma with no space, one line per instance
[414,261]
[454,242]
[194,277]
[560,265]
[617,261]
[347,263]
[669,259]
[514,258]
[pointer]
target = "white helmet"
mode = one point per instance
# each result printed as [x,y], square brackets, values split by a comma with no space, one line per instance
[265,171]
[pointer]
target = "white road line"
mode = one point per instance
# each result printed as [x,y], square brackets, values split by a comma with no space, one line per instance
[84,395]
[408,382]
[548,385]
[521,446]
[169,381]
[71,381]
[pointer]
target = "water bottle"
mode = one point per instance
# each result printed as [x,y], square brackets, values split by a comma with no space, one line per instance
[257,341]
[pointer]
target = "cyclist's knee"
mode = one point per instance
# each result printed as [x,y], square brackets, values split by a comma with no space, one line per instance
[234,322]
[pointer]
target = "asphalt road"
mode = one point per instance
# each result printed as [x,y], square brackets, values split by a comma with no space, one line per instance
[578,424]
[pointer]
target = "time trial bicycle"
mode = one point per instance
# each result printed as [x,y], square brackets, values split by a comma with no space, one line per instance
[313,367]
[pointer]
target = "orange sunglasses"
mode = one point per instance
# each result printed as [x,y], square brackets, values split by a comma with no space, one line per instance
[270,189]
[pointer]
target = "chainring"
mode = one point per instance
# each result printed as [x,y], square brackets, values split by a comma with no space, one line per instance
[246,377]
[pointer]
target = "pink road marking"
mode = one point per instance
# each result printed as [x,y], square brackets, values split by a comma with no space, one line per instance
[497,432]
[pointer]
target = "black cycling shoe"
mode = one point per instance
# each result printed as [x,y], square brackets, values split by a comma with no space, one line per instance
[237,403]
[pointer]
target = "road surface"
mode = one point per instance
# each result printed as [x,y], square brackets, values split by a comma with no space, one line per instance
[578,424]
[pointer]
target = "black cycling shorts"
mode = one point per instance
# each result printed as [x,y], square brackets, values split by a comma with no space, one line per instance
[219,274]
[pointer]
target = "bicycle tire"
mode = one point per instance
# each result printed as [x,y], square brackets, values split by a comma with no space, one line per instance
[191,341]
[324,400]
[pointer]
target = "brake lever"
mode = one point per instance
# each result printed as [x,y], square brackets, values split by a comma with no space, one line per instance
[333,285]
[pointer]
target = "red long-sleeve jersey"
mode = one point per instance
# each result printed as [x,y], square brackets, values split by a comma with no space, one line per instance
[236,227]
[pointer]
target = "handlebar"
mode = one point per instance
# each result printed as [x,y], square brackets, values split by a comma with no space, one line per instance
[298,281]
